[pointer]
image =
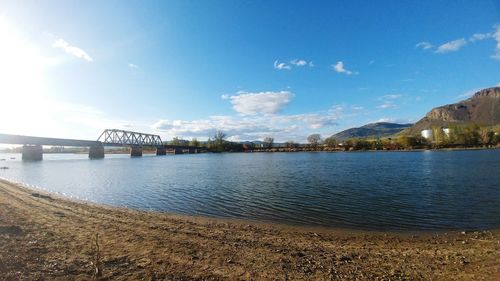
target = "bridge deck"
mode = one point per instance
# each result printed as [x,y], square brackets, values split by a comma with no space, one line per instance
[17,139]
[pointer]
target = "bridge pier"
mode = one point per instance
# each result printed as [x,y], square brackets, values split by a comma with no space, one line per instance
[136,151]
[191,150]
[161,151]
[178,151]
[96,152]
[32,152]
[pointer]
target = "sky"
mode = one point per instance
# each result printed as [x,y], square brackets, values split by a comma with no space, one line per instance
[253,69]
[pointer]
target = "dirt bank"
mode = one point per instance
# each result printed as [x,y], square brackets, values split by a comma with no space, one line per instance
[46,237]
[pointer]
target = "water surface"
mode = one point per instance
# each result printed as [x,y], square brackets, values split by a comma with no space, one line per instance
[365,190]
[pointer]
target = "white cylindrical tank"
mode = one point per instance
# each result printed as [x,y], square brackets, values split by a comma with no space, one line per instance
[426,134]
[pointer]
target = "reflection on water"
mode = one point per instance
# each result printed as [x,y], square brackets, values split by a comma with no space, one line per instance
[367,190]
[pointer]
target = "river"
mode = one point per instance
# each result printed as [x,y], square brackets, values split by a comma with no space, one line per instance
[424,190]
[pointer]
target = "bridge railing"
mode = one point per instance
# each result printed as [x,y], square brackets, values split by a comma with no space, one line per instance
[117,137]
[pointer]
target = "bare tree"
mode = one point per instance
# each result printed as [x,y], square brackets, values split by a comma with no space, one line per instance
[219,140]
[194,142]
[175,141]
[291,144]
[268,142]
[331,142]
[314,140]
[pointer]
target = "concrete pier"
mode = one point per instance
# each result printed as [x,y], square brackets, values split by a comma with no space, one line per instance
[161,151]
[32,152]
[136,151]
[96,152]
[178,151]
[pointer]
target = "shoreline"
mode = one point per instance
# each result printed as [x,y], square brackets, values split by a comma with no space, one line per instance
[241,221]
[46,236]
[291,150]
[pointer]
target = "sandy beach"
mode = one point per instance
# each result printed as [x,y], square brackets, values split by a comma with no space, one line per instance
[46,237]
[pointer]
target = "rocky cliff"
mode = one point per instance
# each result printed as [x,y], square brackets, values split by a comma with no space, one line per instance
[483,108]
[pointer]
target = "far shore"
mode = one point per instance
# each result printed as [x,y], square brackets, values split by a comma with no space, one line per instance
[389,150]
[287,150]
[45,236]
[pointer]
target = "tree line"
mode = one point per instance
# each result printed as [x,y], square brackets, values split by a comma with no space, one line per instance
[469,135]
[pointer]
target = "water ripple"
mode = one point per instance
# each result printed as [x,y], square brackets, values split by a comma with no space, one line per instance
[381,191]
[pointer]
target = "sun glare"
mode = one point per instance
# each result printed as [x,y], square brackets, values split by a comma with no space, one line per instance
[22,81]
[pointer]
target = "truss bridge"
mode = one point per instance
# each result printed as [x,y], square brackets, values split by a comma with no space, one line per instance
[33,146]
[114,137]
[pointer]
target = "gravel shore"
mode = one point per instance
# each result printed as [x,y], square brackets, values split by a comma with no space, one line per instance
[46,237]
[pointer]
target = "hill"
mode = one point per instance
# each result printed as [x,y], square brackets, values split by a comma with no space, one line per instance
[483,108]
[376,130]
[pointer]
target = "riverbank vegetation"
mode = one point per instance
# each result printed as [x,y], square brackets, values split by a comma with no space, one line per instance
[455,137]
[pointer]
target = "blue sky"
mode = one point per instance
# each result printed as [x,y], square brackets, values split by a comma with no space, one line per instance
[253,69]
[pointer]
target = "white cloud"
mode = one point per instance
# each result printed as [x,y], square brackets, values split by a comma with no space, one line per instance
[317,120]
[387,105]
[259,103]
[298,62]
[253,127]
[72,50]
[384,119]
[133,66]
[496,36]
[389,100]
[301,62]
[480,36]
[339,67]
[466,95]
[293,63]
[469,93]
[424,45]
[392,120]
[281,127]
[390,97]
[451,46]
[281,65]
[236,128]
[456,45]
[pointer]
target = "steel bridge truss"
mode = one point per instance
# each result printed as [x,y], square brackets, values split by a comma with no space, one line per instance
[114,137]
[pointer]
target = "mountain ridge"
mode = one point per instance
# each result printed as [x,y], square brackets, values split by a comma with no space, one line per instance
[377,130]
